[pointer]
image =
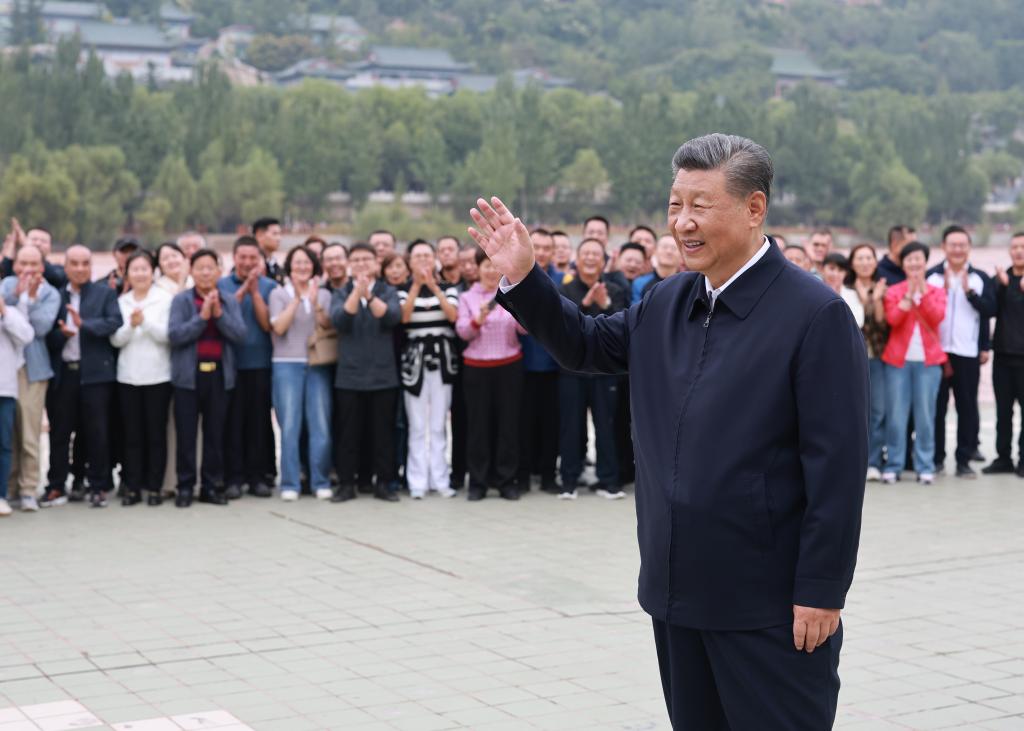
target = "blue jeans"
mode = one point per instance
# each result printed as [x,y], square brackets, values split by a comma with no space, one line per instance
[7,406]
[914,386]
[876,423]
[303,394]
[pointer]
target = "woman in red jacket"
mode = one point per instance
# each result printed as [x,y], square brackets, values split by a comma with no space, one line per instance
[913,361]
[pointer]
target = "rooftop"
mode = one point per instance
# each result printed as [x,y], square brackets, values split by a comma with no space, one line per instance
[139,36]
[72,10]
[334,23]
[420,59]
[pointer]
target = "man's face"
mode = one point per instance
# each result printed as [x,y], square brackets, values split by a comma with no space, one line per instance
[631,263]
[205,272]
[468,267]
[590,259]
[269,239]
[29,260]
[422,257]
[543,249]
[247,258]
[799,257]
[191,244]
[41,240]
[1017,251]
[668,255]
[819,247]
[712,227]
[335,262]
[121,256]
[363,263]
[596,230]
[645,238]
[78,265]
[957,247]
[563,250]
[448,253]
[383,244]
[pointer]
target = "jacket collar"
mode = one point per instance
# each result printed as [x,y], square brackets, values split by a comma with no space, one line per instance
[741,296]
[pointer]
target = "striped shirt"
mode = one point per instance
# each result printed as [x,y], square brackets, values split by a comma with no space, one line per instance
[429,336]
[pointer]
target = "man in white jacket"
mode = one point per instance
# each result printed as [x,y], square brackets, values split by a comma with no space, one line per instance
[15,334]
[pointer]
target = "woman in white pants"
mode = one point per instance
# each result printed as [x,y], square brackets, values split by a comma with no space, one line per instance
[429,365]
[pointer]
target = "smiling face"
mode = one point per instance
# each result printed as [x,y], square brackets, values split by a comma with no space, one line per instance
[78,265]
[247,258]
[448,252]
[383,243]
[543,248]
[798,256]
[631,263]
[668,256]
[914,265]
[140,274]
[40,239]
[489,275]
[205,272]
[269,238]
[833,275]
[596,229]
[957,247]
[864,262]
[362,263]
[716,230]
[563,251]
[422,257]
[819,246]
[590,260]
[335,262]
[171,263]
[467,265]
[28,260]
[397,272]
[301,268]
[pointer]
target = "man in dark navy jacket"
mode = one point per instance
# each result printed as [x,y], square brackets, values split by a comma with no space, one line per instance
[749,389]
[85,370]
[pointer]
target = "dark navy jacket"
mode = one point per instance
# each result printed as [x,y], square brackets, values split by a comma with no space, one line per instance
[101,317]
[750,433]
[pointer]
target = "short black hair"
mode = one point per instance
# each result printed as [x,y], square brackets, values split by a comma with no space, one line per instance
[205,251]
[796,247]
[362,246]
[419,242]
[822,230]
[643,227]
[913,246]
[896,231]
[633,246]
[851,276]
[1017,235]
[836,259]
[602,219]
[541,231]
[559,232]
[140,254]
[262,224]
[336,245]
[383,231]
[167,245]
[446,237]
[126,242]
[40,228]
[955,229]
[480,256]
[591,240]
[287,268]
[244,241]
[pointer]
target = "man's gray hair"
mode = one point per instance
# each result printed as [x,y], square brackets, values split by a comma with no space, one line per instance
[747,166]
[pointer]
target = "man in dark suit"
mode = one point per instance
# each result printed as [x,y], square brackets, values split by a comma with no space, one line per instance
[85,370]
[749,389]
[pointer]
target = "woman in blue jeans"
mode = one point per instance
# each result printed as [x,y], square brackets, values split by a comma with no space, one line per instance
[301,392]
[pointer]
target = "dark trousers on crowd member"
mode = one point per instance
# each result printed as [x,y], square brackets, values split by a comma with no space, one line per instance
[459,434]
[144,424]
[80,407]
[248,452]
[493,402]
[624,434]
[749,680]
[208,401]
[1008,384]
[964,385]
[365,417]
[576,394]
[538,436]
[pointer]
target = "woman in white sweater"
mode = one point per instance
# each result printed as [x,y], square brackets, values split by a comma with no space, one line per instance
[144,380]
[15,334]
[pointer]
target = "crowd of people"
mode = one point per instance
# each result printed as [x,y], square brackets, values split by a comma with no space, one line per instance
[393,372]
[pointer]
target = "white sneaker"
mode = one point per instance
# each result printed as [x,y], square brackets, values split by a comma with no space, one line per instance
[447,492]
[289,496]
[567,495]
[29,504]
[874,474]
[926,478]
[609,495]
[5,508]
[324,493]
[889,478]
[417,495]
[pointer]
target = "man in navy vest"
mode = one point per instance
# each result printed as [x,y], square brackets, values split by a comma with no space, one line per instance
[749,389]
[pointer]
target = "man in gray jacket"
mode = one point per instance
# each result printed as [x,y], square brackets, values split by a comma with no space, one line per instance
[365,312]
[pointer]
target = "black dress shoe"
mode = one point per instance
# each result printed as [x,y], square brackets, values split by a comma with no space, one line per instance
[476,493]
[233,492]
[183,499]
[260,490]
[366,489]
[999,466]
[154,499]
[212,497]
[964,471]
[383,493]
[977,456]
[550,487]
[131,498]
[344,494]
[509,493]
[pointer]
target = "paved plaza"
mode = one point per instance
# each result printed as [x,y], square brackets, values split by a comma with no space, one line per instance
[454,615]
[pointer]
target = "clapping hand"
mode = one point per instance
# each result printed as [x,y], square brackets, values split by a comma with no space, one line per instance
[137,317]
[28,283]
[598,294]
[504,239]
[216,305]
[206,311]
[75,317]
[1003,277]
[485,310]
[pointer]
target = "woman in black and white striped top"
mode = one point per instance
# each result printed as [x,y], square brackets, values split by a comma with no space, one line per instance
[430,362]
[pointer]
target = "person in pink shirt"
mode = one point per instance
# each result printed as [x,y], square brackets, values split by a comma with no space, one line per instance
[493,383]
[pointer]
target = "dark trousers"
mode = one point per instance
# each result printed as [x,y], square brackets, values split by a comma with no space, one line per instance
[75,404]
[538,436]
[144,427]
[209,401]
[1008,383]
[459,433]
[964,385]
[248,440]
[752,680]
[576,394]
[365,416]
[624,434]
[493,400]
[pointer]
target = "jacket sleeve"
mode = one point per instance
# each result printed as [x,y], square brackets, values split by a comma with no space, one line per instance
[341,320]
[893,314]
[578,342]
[393,316]
[123,334]
[42,314]
[831,393]
[18,327]
[109,319]
[230,322]
[156,322]
[933,306]
[184,325]
[464,325]
[984,303]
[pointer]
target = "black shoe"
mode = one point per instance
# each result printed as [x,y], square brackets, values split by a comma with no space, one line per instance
[383,493]
[98,500]
[476,493]
[550,487]
[183,499]
[54,496]
[344,494]
[212,497]
[999,466]
[233,492]
[965,472]
[131,497]
[977,456]
[154,499]
[1020,469]
[509,493]
[457,484]
[77,492]
[260,490]
[366,489]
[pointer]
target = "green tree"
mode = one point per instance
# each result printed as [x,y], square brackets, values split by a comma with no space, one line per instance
[175,186]
[26,23]
[45,197]
[105,190]
[493,169]
[430,163]
[153,217]
[581,180]
[276,53]
[885,192]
